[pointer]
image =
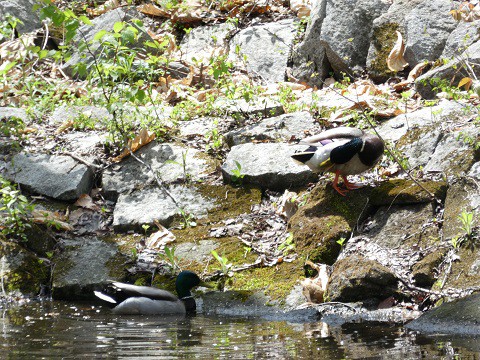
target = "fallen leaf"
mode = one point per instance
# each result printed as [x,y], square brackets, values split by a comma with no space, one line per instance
[142,139]
[107,6]
[160,238]
[52,219]
[395,60]
[153,10]
[28,130]
[65,125]
[467,82]
[412,75]
[287,204]
[300,7]
[85,201]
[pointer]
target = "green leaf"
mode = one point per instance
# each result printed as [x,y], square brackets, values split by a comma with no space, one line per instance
[118,26]
[99,35]
[85,20]
[6,66]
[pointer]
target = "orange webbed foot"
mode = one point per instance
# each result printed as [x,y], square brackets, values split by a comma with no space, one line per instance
[335,185]
[349,185]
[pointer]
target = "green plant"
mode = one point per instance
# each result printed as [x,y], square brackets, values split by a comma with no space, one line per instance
[341,241]
[469,140]
[170,258]
[457,241]
[287,245]
[288,99]
[187,220]
[466,219]
[15,211]
[145,228]
[223,261]
[214,139]
[237,176]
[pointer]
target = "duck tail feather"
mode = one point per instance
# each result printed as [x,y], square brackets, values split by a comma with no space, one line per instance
[105,297]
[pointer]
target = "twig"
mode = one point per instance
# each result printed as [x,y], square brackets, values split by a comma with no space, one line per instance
[2,273]
[83,161]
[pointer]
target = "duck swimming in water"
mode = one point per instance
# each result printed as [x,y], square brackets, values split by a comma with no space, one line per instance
[145,300]
[342,151]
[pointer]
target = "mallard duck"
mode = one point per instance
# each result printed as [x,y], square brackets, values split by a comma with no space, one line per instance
[342,151]
[145,300]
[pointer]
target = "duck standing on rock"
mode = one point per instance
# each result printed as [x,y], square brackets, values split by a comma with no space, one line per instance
[343,151]
[145,300]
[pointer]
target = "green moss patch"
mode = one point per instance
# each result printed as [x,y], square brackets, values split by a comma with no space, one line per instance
[400,191]
[383,40]
[326,218]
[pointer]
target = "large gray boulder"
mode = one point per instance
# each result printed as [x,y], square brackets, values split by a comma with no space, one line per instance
[427,28]
[346,32]
[201,43]
[23,10]
[266,47]
[464,35]
[309,61]
[150,205]
[292,126]
[170,162]
[83,265]
[383,37]
[59,177]
[428,117]
[460,317]
[268,166]
[340,33]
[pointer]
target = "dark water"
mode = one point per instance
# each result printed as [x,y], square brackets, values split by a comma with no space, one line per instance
[56,330]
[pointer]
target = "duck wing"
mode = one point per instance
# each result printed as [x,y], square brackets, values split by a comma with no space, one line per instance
[335,134]
[129,291]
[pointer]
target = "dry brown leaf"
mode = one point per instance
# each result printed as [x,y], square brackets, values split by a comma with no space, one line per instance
[192,11]
[395,60]
[107,6]
[153,10]
[390,112]
[412,75]
[17,49]
[142,139]
[51,218]
[314,289]
[85,201]
[66,125]
[160,238]
[28,130]
[467,82]
[202,95]
[287,204]
[300,7]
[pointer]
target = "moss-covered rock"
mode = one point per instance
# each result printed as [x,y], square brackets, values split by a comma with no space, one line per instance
[83,265]
[383,41]
[424,272]
[326,218]
[462,196]
[465,272]
[21,269]
[356,278]
[401,191]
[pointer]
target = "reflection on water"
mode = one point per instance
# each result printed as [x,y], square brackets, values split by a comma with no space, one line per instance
[60,330]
